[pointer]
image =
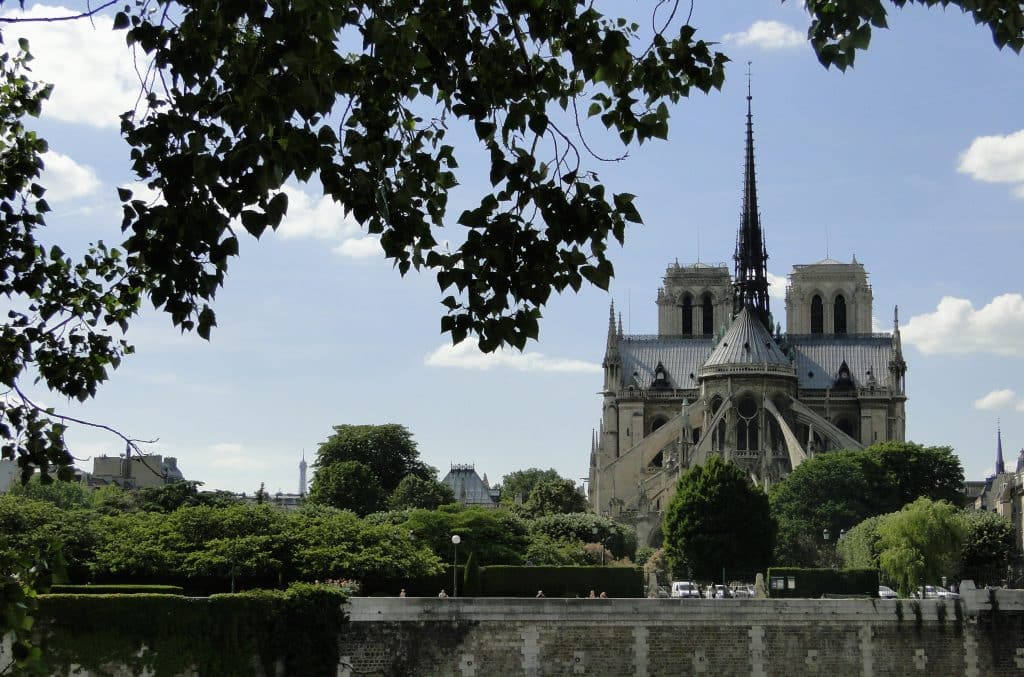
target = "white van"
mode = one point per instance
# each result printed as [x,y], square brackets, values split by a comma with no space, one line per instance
[685,590]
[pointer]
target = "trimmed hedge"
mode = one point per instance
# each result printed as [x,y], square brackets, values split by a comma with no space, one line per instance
[224,635]
[814,583]
[117,590]
[513,581]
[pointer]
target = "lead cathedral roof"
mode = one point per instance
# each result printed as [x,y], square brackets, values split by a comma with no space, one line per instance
[816,357]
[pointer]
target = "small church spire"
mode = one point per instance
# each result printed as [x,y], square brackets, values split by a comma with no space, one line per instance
[302,474]
[611,323]
[1000,466]
[751,256]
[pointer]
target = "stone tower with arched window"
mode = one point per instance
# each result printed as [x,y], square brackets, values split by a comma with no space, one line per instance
[828,297]
[719,379]
[694,300]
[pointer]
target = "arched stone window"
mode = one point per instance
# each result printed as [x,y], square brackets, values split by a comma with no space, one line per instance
[720,437]
[687,311]
[747,438]
[708,315]
[658,422]
[839,315]
[817,316]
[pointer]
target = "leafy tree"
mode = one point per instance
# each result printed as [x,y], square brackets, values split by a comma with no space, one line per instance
[920,543]
[141,545]
[837,490]
[333,543]
[718,520]
[521,483]
[544,550]
[248,101]
[551,497]
[64,495]
[250,555]
[990,547]
[387,450]
[350,485]
[169,497]
[30,526]
[416,492]
[111,500]
[914,471]
[618,538]
[831,491]
[495,536]
[859,548]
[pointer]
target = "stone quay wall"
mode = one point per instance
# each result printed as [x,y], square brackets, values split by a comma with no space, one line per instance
[981,635]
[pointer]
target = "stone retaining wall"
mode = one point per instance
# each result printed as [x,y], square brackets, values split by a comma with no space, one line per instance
[392,636]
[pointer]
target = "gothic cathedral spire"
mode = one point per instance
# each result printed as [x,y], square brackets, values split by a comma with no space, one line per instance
[1000,466]
[751,285]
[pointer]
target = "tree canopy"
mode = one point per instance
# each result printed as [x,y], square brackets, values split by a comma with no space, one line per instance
[718,521]
[416,492]
[920,543]
[989,547]
[387,450]
[552,497]
[837,490]
[358,97]
[348,485]
[520,483]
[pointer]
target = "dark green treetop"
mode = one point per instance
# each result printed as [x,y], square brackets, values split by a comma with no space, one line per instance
[718,520]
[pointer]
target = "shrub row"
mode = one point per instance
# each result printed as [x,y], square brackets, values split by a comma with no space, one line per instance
[297,628]
[116,590]
[814,583]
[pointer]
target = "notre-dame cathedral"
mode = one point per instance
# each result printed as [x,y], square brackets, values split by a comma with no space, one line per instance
[720,378]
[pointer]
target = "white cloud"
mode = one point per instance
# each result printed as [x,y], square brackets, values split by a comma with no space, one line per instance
[321,218]
[89,65]
[998,399]
[767,35]
[996,159]
[957,326]
[777,286]
[65,179]
[360,248]
[234,456]
[467,355]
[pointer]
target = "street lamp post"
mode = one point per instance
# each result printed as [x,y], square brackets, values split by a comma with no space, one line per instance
[455,565]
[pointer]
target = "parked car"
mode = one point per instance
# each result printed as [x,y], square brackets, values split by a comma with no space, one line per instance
[720,591]
[743,590]
[885,592]
[936,592]
[685,590]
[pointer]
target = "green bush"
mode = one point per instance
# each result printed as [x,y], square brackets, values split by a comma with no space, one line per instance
[117,590]
[508,581]
[814,583]
[221,635]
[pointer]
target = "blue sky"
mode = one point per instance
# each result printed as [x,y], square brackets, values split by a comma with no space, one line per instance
[913,161]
